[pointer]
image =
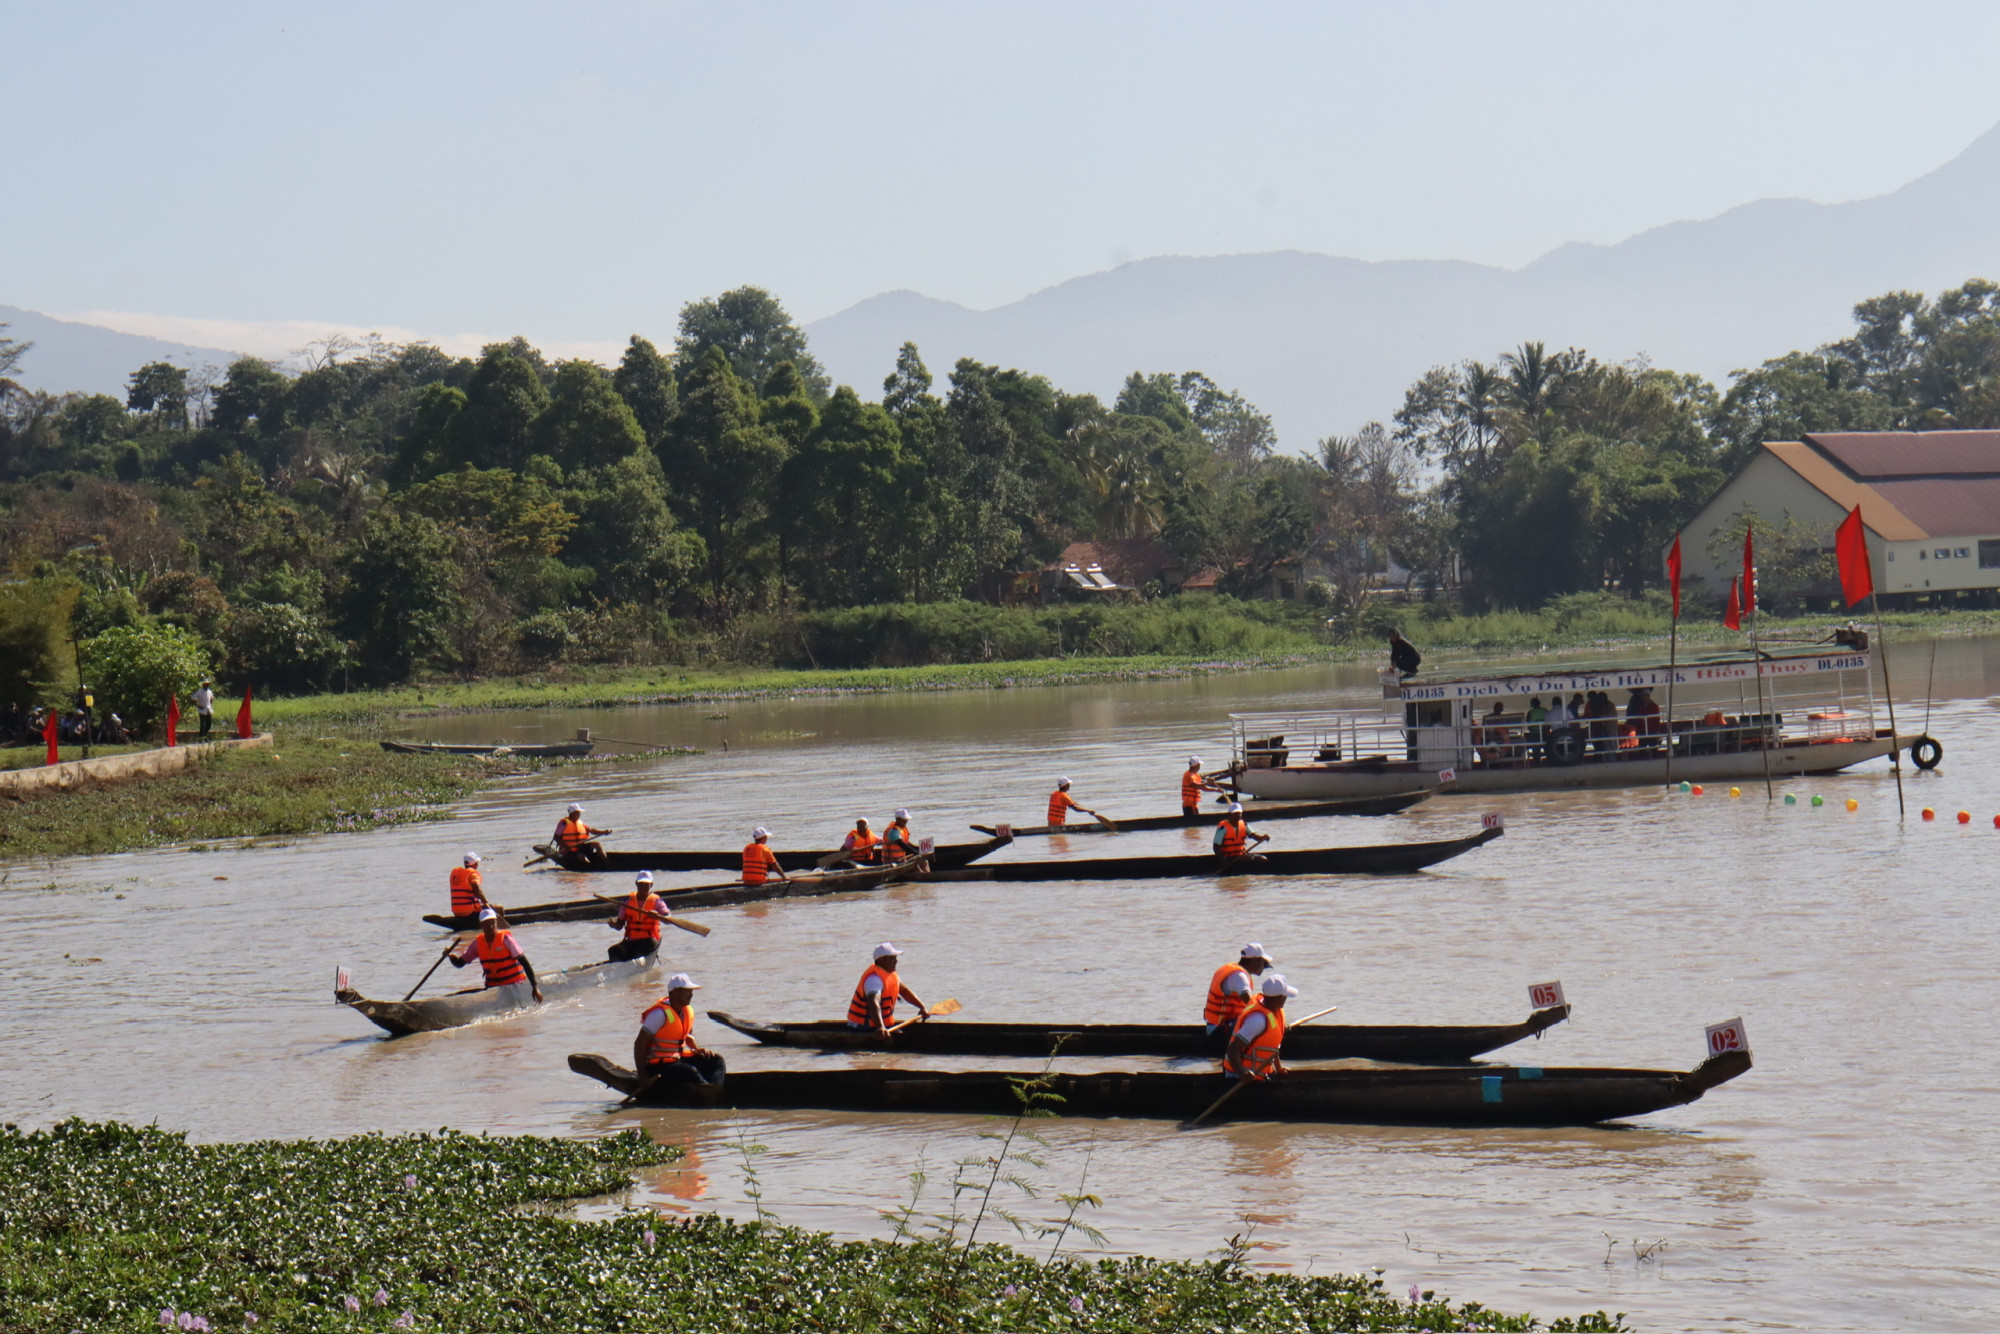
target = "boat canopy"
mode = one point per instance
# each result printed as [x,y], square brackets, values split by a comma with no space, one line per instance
[1570,680]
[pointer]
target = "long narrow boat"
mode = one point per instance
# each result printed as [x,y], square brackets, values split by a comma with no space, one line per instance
[1383,859]
[1414,1044]
[710,896]
[947,856]
[1479,1095]
[1387,804]
[399,1018]
[550,751]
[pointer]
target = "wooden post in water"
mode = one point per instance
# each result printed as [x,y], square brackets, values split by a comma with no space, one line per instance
[1895,741]
[1673,659]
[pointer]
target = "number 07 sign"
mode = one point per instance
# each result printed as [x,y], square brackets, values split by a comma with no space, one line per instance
[1726,1037]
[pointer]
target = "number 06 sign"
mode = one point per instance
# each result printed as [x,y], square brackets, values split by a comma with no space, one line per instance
[1726,1037]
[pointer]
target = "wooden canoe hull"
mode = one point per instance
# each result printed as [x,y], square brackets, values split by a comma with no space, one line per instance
[946,856]
[1474,1096]
[1383,859]
[551,751]
[400,1018]
[1387,804]
[709,896]
[1413,1044]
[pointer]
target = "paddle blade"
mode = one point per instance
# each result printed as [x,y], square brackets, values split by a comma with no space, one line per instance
[686,925]
[946,1006]
[1108,826]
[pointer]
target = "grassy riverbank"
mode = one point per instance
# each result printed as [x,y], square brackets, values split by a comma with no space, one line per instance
[111,1227]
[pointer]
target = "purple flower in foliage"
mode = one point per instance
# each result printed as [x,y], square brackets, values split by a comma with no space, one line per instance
[406,1320]
[166,1317]
[650,1239]
[1076,1303]
[381,1297]
[1009,1290]
[249,1318]
[353,1303]
[409,1182]
[1415,1296]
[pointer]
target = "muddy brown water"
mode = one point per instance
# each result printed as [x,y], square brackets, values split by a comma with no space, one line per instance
[1850,1181]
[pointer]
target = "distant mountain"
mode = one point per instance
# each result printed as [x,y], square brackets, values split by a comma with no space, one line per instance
[1325,344]
[88,359]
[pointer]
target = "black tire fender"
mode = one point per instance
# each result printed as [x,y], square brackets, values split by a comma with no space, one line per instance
[1925,752]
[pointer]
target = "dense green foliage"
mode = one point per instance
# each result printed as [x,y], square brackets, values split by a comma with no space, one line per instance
[134,669]
[388,512]
[112,1227]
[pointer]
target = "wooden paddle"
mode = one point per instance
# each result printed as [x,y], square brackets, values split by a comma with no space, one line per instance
[946,1006]
[1248,1075]
[668,918]
[433,968]
[548,851]
[1109,827]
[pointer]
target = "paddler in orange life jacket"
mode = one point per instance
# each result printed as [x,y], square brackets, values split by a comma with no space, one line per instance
[898,843]
[664,1052]
[1061,803]
[759,862]
[636,915]
[468,896]
[499,954]
[1193,784]
[875,996]
[1231,992]
[861,845]
[1253,1049]
[574,838]
[1234,837]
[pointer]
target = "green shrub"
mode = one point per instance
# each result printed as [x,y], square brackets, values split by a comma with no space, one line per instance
[34,641]
[134,669]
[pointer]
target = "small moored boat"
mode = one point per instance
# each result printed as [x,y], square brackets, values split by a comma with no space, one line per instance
[1415,1044]
[1476,1095]
[946,856]
[554,750]
[1387,804]
[811,885]
[1383,859]
[399,1018]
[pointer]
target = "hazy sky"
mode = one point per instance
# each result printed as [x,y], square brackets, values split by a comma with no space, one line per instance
[576,171]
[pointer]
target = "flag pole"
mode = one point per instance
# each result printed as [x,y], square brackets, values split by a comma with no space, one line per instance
[1764,724]
[1857,575]
[1673,665]
[1895,740]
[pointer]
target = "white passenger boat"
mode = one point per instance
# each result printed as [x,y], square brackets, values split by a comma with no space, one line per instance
[1471,732]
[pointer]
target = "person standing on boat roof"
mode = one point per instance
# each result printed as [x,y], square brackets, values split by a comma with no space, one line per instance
[1061,803]
[640,916]
[759,862]
[664,1052]
[1234,836]
[861,845]
[1403,655]
[1231,991]
[874,1003]
[574,838]
[898,843]
[468,895]
[499,954]
[1193,784]
[1260,1033]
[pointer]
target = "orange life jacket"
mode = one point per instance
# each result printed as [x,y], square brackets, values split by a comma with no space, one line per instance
[898,842]
[639,923]
[1235,837]
[758,863]
[1225,1007]
[862,846]
[499,964]
[465,899]
[892,987]
[572,834]
[1262,1052]
[1190,788]
[1060,805]
[675,1037]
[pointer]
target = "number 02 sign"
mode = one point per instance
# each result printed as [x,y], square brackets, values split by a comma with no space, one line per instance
[1727,1036]
[1544,995]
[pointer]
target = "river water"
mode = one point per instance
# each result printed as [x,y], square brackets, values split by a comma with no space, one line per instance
[1850,1181]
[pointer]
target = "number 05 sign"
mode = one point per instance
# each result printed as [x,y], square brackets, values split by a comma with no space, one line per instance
[1726,1037]
[1543,995]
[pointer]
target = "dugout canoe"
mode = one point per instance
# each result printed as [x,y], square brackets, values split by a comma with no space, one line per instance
[458,1008]
[1388,804]
[1381,859]
[948,856]
[555,750]
[1476,1096]
[1411,1044]
[709,896]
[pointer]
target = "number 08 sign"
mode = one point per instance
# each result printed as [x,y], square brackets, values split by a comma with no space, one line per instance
[1726,1037]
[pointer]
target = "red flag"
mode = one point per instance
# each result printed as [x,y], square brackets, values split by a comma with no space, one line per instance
[1749,575]
[1850,547]
[1674,574]
[49,734]
[243,715]
[173,717]
[1732,615]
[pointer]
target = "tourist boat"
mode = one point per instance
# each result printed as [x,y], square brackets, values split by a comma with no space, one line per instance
[1802,710]
[399,1018]
[1478,1095]
[1414,1044]
[1382,859]
[1383,805]
[943,857]
[806,885]
[555,750]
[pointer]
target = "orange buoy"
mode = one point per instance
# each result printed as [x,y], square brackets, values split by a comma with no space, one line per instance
[1929,814]
[1854,805]
[1697,791]
[1965,817]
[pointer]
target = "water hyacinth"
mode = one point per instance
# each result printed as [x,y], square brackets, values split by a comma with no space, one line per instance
[1415,1296]
[353,1302]
[167,1317]
[381,1297]
[410,1181]
[1076,1303]
[651,1240]
[1009,1290]
[407,1320]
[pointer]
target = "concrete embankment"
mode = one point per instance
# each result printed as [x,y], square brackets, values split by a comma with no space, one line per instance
[117,768]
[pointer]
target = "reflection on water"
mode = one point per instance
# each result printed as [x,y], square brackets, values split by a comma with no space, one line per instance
[1847,1182]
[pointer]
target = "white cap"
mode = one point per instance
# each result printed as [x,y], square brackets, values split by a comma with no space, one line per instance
[902,812]
[1062,782]
[488,915]
[472,859]
[760,832]
[1275,985]
[575,809]
[679,980]
[1255,951]
[887,951]
[1193,760]
[643,878]
[1236,808]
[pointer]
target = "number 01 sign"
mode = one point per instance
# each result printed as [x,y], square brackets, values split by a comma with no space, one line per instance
[1727,1036]
[1544,995]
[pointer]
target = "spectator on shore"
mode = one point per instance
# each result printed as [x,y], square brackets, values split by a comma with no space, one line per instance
[204,704]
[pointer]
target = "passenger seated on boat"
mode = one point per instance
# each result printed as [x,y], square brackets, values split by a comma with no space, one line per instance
[874,1002]
[861,845]
[1643,712]
[1231,992]
[898,843]
[640,916]
[664,1052]
[467,897]
[574,838]
[1537,731]
[1603,716]
[1260,1033]
[1234,837]
[500,957]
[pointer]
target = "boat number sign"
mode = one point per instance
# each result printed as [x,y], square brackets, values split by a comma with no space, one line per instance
[1447,776]
[340,978]
[1545,995]
[1493,820]
[1003,831]
[1727,1036]
[926,846]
